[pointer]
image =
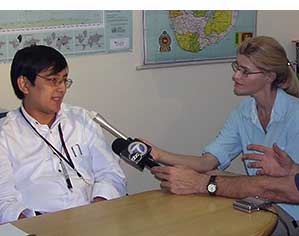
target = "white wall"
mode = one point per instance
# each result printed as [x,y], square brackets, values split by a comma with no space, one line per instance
[180,109]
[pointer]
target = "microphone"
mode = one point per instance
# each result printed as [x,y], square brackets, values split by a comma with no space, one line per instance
[105,125]
[135,152]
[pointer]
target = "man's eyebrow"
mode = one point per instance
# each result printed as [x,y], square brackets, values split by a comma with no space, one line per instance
[55,74]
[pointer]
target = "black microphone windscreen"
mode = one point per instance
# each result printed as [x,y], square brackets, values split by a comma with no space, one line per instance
[119,145]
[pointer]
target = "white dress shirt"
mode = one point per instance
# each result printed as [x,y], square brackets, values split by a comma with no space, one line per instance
[31,176]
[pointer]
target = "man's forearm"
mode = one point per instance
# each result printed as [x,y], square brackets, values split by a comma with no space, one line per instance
[276,189]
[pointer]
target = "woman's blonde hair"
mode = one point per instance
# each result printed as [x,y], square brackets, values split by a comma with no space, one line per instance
[268,55]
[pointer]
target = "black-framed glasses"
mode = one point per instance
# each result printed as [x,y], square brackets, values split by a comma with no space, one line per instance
[244,71]
[55,82]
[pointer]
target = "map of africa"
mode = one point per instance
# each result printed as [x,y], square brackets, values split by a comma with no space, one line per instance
[195,35]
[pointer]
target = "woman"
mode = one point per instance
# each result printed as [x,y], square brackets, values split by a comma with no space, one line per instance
[269,115]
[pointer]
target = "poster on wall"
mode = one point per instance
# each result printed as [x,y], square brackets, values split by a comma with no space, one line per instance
[69,31]
[176,36]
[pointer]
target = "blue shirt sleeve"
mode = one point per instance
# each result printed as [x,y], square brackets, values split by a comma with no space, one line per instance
[227,144]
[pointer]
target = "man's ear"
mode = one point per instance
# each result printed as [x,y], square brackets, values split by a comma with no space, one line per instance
[22,82]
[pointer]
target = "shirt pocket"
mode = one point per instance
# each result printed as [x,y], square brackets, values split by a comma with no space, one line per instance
[82,161]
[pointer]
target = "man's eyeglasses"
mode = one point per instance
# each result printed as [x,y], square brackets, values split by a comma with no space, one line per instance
[56,82]
[236,67]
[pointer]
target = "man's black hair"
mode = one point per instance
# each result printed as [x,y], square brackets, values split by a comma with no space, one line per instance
[30,61]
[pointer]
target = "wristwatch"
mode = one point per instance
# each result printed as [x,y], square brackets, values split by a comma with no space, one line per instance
[212,186]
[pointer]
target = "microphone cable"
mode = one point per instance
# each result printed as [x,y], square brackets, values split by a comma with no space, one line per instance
[284,223]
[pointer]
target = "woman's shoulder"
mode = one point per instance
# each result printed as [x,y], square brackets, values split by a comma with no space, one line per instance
[245,105]
[241,110]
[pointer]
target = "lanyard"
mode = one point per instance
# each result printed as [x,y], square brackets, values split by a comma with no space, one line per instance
[70,162]
[57,153]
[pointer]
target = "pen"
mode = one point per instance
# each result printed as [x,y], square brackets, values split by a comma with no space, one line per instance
[69,184]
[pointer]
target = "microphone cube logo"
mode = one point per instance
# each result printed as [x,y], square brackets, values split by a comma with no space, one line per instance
[137,150]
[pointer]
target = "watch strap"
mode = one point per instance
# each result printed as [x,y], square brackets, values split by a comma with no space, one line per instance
[212,181]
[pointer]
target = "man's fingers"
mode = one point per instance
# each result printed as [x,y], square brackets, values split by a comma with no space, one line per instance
[161,176]
[260,172]
[279,153]
[257,147]
[165,185]
[255,164]
[161,169]
[252,156]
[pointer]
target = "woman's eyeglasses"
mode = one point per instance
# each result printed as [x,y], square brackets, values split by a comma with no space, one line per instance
[245,72]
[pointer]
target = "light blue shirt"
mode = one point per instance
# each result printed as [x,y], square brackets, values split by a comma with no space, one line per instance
[243,128]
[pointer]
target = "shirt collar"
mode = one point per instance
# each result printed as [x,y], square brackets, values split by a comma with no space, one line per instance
[279,108]
[59,117]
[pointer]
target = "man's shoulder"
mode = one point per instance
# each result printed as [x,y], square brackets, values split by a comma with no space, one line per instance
[75,112]
[11,115]
[71,109]
[9,120]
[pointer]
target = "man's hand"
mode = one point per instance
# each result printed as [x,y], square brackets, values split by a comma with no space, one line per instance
[181,180]
[271,161]
[285,161]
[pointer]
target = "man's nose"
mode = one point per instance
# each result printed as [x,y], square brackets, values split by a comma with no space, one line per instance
[61,86]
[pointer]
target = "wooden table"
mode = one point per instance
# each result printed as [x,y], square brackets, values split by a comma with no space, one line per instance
[152,213]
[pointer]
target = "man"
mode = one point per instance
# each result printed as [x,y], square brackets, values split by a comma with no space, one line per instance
[52,155]
[275,162]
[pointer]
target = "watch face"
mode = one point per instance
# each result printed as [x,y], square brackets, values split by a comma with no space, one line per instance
[212,188]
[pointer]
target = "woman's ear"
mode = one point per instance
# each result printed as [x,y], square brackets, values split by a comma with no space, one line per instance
[271,76]
[22,82]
